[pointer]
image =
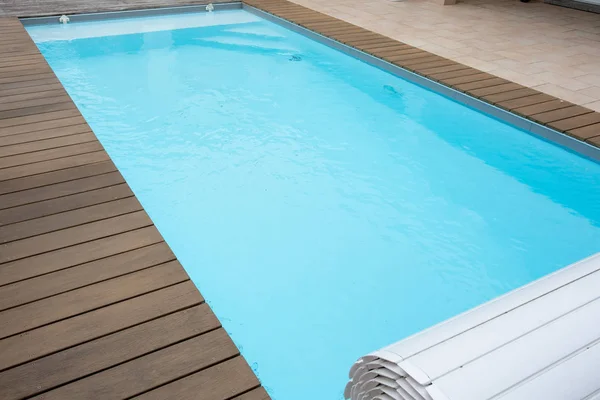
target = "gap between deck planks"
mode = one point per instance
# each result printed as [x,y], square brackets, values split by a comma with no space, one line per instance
[93,303]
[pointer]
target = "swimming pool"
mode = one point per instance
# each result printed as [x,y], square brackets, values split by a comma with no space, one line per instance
[323,207]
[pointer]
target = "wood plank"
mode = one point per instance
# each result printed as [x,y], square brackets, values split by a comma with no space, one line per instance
[28,78]
[393,53]
[43,130]
[296,12]
[435,64]
[361,35]
[55,184]
[595,141]
[70,332]
[25,60]
[539,98]
[507,87]
[336,29]
[302,16]
[47,144]
[377,48]
[466,79]
[222,381]
[541,107]
[579,121]
[105,352]
[291,8]
[18,52]
[465,87]
[50,154]
[330,25]
[62,281]
[362,42]
[52,165]
[153,370]
[563,113]
[255,394]
[404,55]
[446,68]
[586,132]
[52,191]
[78,301]
[71,256]
[67,219]
[50,178]
[46,80]
[34,69]
[31,89]
[72,236]
[32,123]
[306,19]
[423,62]
[31,95]
[7,39]
[18,48]
[455,74]
[513,94]
[20,214]
[64,104]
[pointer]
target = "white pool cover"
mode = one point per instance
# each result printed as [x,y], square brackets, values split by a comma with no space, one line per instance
[537,342]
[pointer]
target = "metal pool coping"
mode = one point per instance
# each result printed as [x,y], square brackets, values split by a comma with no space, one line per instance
[466,98]
[529,126]
[103,16]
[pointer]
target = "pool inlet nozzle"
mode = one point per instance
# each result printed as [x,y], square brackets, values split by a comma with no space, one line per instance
[210,7]
[64,19]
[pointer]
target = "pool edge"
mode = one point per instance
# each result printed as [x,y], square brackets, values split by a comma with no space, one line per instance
[148,12]
[543,132]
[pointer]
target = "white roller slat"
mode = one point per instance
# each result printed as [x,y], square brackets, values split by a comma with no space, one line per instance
[479,315]
[575,378]
[593,396]
[524,357]
[459,350]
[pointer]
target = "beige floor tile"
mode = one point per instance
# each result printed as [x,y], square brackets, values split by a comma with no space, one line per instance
[561,80]
[590,79]
[565,94]
[555,49]
[518,77]
[472,61]
[593,106]
[592,91]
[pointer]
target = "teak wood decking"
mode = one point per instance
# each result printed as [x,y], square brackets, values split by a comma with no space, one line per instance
[93,303]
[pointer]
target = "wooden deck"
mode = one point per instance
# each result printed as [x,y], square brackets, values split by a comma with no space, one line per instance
[93,303]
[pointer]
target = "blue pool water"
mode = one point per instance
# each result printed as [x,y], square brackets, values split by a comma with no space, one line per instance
[324,208]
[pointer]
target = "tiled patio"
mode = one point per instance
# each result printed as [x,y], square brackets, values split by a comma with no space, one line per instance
[552,49]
